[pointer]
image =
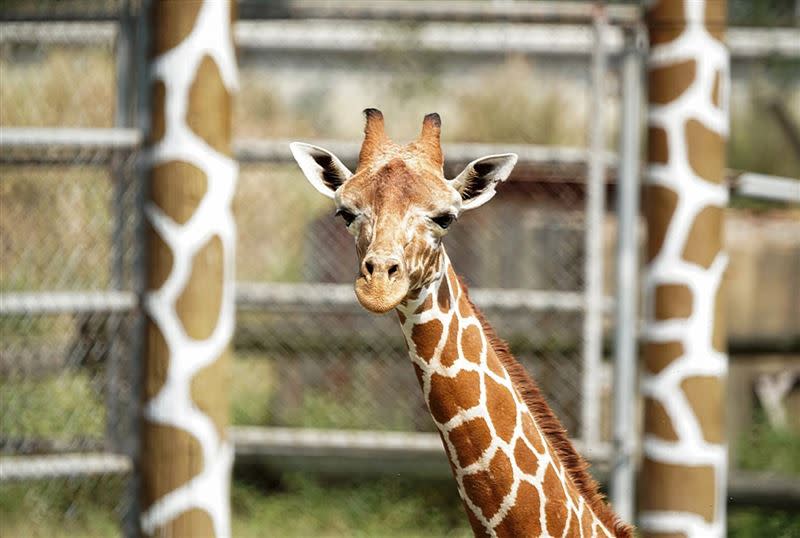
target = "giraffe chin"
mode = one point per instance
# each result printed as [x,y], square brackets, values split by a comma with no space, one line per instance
[379,295]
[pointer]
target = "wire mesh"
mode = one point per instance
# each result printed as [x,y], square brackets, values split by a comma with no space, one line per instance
[68,220]
[309,80]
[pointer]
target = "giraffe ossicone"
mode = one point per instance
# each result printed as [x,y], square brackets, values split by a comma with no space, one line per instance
[517,472]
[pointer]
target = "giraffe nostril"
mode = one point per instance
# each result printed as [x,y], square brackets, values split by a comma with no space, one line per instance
[369,267]
[393,270]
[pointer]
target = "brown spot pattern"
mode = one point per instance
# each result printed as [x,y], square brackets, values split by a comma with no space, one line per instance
[502,409]
[718,335]
[666,486]
[199,304]
[175,445]
[173,22]
[161,259]
[586,522]
[573,528]
[156,374]
[448,395]
[177,188]
[665,21]
[555,502]
[210,389]
[532,434]
[470,440]
[660,204]
[425,306]
[426,337]
[464,307]
[704,394]
[657,146]
[673,301]
[477,527]
[488,488]
[705,237]
[706,150]
[472,344]
[158,121]
[207,87]
[715,18]
[526,460]
[443,296]
[450,350]
[493,363]
[659,355]
[671,81]
[716,90]
[522,518]
[658,419]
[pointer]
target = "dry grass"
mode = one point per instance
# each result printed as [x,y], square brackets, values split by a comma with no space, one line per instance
[48,87]
[55,225]
[510,103]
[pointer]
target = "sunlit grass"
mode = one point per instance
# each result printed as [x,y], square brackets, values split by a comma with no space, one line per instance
[57,407]
[51,87]
[369,508]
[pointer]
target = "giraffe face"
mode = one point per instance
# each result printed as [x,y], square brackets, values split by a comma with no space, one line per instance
[398,205]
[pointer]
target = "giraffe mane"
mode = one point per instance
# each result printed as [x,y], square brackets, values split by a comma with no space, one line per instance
[577,468]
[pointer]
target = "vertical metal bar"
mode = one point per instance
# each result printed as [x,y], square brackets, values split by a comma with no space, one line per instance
[593,258]
[122,118]
[140,118]
[123,58]
[627,278]
[118,342]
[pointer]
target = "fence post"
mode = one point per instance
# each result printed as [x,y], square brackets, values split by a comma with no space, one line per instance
[186,453]
[627,279]
[683,478]
[593,258]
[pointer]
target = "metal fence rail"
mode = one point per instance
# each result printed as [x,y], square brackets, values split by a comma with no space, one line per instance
[370,36]
[346,451]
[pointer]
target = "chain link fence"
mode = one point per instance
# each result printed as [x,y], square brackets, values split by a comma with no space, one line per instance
[341,367]
[68,222]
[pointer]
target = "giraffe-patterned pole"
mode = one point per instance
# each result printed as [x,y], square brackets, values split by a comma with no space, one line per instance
[186,454]
[683,475]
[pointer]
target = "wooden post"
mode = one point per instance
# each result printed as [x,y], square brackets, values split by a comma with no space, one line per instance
[683,476]
[186,454]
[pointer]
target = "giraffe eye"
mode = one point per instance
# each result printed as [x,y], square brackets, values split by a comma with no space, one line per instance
[444,220]
[346,215]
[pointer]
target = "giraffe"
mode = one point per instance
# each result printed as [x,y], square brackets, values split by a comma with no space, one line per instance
[191,244]
[516,471]
[683,383]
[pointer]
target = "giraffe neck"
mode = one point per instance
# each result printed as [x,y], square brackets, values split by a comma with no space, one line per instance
[512,473]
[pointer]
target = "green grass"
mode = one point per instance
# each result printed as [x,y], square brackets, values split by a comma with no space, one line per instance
[308,506]
[62,407]
[295,505]
[764,448]
[68,508]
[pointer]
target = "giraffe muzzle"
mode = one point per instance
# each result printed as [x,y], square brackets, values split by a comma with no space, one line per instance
[382,283]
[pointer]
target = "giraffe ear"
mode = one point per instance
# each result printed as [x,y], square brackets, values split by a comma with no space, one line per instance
[477,182]
[322,168]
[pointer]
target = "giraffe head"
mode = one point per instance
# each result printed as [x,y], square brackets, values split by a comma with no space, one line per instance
[398,205]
